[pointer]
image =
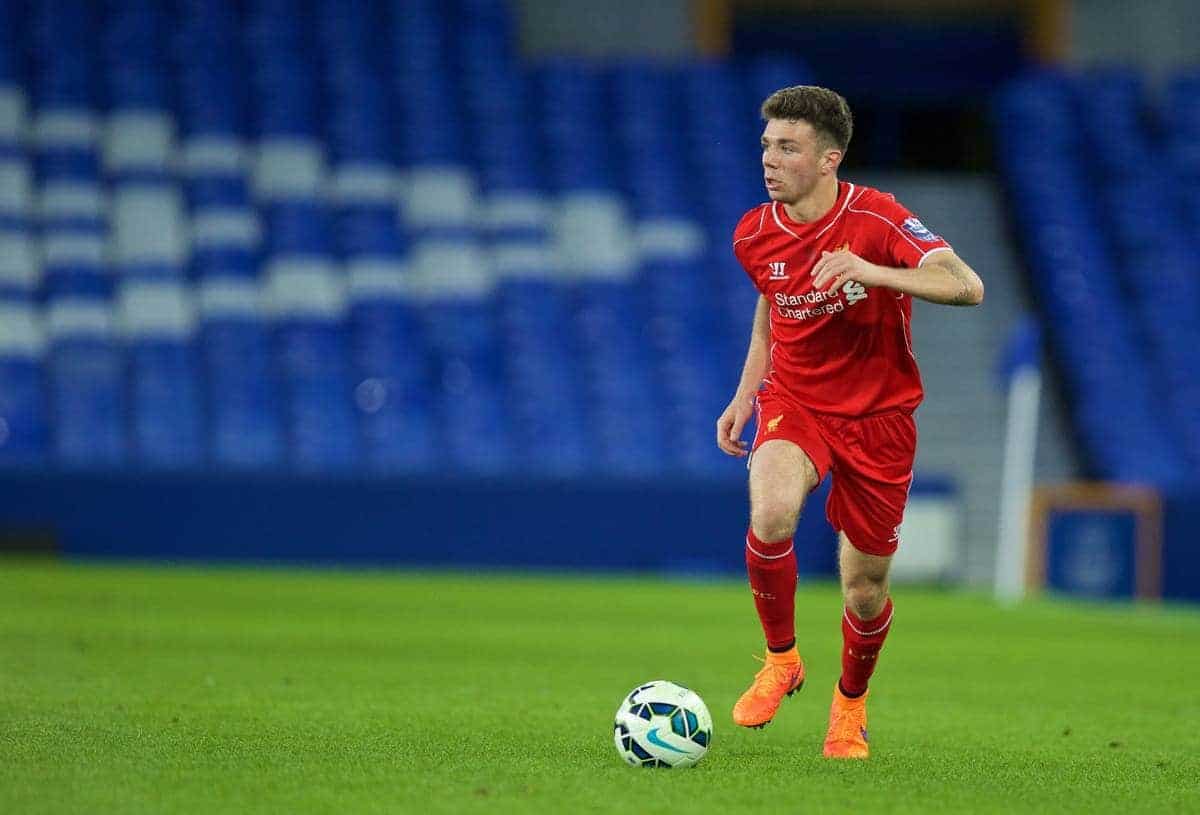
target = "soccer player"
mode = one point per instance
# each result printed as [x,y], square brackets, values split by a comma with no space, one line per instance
[831,375]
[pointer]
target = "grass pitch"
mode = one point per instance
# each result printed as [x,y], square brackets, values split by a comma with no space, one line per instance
[163,690]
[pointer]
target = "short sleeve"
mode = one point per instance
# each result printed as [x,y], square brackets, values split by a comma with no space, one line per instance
[906,241]
[748,227]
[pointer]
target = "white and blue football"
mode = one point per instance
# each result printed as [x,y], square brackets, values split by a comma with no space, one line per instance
[662,724]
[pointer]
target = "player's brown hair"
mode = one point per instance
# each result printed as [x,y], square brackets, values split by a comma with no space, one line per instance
[826,111]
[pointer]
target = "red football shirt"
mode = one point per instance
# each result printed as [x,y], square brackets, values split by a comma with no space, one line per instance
[849,353]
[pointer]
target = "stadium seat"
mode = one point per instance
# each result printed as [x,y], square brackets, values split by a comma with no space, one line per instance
[75,264]
[85,384]
[242,401]
[1114,362]
[149,230]
[16,187]
[393,391]
[158,321]
[387,241]
[20,265]
[23,412]
[67,145]
[307,301]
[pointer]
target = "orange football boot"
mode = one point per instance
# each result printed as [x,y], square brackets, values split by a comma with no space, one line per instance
[781,675]
[847,736]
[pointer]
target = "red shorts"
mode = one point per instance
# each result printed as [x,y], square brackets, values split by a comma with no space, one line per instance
[871,459]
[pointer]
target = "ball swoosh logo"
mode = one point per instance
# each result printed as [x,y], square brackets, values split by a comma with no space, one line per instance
[653,737]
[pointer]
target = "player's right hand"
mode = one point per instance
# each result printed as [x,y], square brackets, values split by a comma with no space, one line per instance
[731,423]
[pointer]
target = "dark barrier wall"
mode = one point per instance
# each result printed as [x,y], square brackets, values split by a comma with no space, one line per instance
[1181,546]
[670,528]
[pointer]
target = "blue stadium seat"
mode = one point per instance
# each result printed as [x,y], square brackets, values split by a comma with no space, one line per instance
[242,400]
[298,227]
[1068,143]
[74,264]
[158,319]
[394,382]
[67,144]
[85,385]
[20,266]
[1111,104]
[409,250]
[23,414]
[307,299]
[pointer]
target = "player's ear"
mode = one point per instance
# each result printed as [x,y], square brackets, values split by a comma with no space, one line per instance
[831,160]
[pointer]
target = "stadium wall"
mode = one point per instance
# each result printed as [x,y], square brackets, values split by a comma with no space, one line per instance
[671,528]
[675,529]
[696,528]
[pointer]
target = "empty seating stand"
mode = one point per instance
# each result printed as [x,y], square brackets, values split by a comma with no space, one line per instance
[327,237]
[1106,237]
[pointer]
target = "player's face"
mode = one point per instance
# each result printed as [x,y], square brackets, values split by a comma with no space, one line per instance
[792,158]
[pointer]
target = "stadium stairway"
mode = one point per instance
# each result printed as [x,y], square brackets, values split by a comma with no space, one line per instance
[962,421]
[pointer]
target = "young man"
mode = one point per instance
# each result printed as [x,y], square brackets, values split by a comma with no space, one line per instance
[832,376]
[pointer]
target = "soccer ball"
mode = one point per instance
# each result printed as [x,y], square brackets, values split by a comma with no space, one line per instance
[661,724]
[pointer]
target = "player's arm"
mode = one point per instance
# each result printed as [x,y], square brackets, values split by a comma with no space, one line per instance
[741,407]
[942,277]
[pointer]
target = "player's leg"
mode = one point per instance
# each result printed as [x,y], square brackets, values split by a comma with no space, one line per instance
[866,506]
[866,620]
[867,616]
[782,475]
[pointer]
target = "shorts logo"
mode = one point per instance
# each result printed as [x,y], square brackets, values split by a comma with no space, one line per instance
[918,230]
[773,424]
[777,270]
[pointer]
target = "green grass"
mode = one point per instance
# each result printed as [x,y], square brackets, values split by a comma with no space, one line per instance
[160,690]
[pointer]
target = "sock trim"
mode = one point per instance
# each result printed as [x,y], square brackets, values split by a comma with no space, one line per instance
[850,622]
[842,690]
[768,557]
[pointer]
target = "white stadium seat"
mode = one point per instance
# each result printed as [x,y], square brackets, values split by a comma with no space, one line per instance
[69,317]
[149,225]
[72,199]
[379,278]
[139,140]
[156,310]
[225,227]
[669,237]
[230,298]
[65,127]
[20,266]
[12,114]
[16,188]
[523,260]
[289,168]
[451,269]
[21,333]
[365,183]
[593,237]
[516,210]
[305,287]
[213,155]
[437,196]
[82,248]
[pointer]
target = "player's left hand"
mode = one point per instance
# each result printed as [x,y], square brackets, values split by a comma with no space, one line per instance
[836,268]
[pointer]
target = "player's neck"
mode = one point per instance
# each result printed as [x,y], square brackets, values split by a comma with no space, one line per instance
[816,204]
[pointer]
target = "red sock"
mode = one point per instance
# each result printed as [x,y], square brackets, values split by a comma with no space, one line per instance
[861,641]
[772,570]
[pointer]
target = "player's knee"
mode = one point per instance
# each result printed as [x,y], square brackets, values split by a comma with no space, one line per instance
[865,596]
[773,520]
